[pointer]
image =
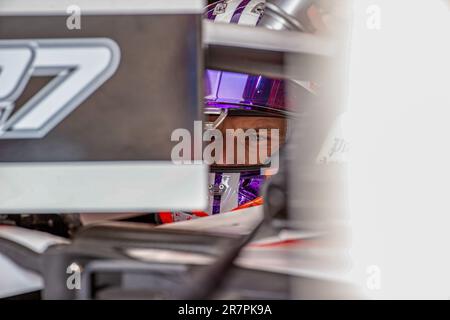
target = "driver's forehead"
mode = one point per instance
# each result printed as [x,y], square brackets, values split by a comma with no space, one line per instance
[258,122]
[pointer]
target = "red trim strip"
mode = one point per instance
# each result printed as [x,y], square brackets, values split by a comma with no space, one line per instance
[166,217]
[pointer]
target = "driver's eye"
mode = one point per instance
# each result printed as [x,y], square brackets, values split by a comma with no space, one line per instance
[262,137]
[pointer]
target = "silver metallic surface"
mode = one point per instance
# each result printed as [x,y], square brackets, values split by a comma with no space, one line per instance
[285,14]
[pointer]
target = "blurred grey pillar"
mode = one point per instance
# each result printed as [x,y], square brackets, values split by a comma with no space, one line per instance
[317,196]
[317,191]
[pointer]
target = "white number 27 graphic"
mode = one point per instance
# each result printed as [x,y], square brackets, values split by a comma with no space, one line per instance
[79,67]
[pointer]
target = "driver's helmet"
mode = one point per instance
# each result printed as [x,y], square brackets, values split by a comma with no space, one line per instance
[230,94]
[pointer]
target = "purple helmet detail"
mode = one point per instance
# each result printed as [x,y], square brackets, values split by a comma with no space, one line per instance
[229,190]
[245,92]
[241,91]
[249,186]
[248,12]
[238,12]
